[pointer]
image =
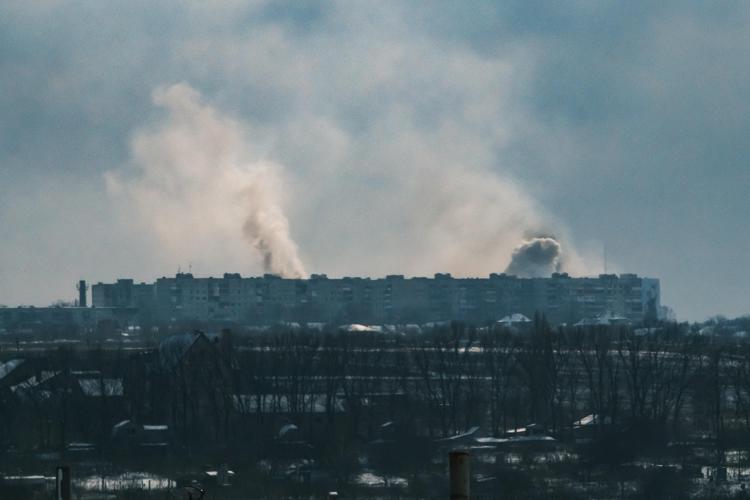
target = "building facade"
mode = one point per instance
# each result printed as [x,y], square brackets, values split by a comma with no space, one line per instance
[393,299]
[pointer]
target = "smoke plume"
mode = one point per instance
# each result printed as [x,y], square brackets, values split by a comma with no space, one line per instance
[192,183]
[267,228]
[535,258]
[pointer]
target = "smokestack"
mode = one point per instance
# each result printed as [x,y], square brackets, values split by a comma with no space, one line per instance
[82,293]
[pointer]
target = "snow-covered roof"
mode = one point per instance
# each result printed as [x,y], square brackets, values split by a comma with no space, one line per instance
[34,381]
[144,431]
[8,367]
[268,403]
[355,327]
[287,430]
[96,387]
[590,420]
[514,318]
[155,428]
[587,420]
[463,435]
[514,439]
[607,318]
[121,425]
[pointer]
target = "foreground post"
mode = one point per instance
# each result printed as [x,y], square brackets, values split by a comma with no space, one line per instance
[333,495]
[62,483]
[459,475]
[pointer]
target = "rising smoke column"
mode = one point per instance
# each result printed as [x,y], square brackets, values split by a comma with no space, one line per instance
[535,258]
[191,182]
[267,228]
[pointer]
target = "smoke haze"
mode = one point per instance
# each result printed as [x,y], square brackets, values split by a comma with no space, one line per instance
[389,138]
[195,182]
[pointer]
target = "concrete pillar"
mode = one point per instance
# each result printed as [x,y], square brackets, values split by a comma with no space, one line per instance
[459,474]
[62,483]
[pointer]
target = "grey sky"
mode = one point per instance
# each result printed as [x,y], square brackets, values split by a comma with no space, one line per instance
[411,137]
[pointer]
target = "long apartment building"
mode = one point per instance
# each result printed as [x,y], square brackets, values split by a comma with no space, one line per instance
[393,299]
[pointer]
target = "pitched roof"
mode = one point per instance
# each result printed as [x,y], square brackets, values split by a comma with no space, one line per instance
[8,367]
[515,318]
[172,350]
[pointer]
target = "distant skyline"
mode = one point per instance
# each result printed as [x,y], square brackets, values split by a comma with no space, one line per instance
[370,138]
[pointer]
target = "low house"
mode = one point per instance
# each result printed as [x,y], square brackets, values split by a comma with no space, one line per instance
[311,413]
[78,407]
[97,399]
[531,435]
[193,371]
[128,435]
[587,427]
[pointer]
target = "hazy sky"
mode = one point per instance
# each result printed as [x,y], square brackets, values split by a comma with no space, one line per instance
[404,137]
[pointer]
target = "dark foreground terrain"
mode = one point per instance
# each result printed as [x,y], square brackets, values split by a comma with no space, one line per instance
[594,412]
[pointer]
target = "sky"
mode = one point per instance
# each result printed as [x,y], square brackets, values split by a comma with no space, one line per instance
[371,138]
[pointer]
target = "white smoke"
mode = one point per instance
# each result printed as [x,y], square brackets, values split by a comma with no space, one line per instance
[395,165]
[267,227]
[192,182]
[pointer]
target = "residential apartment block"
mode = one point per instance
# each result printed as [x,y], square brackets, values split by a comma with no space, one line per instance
[393,299]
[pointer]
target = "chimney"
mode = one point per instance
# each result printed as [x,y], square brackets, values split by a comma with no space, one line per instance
[82,293]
